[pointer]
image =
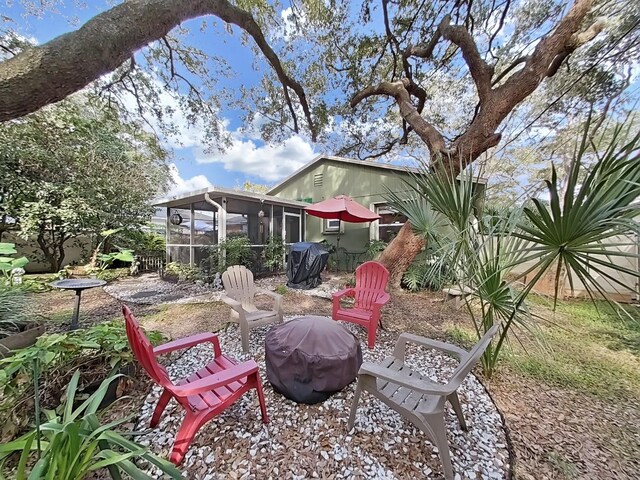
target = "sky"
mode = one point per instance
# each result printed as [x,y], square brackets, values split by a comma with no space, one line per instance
[248,158]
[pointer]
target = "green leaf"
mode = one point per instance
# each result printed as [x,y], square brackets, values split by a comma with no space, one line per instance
[19,262]
[107,233]
[24,457]
[112,458]
[7,248]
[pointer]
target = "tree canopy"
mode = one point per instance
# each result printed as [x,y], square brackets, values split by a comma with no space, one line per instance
[450,79]
[366,79]
[74,169]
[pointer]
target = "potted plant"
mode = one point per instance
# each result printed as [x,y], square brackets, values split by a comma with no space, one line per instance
[17,328]
[9,265]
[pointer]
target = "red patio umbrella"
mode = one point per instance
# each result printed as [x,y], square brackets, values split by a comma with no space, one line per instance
[342,208]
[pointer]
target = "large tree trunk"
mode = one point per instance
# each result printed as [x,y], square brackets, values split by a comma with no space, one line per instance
[50,72]
[53,252]
[497,98]
[400,253]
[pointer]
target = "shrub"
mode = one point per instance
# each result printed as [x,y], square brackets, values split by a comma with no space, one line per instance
[274,253]
[238,249]
[97,351]
[182,271]
[281,289]
[144,243]
[430,274]
[113,274]
[37,283]
[7,263]
[373,248]
[74,443]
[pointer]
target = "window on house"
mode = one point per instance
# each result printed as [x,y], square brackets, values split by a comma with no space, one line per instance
[331,226]
[390,223]
[317,180]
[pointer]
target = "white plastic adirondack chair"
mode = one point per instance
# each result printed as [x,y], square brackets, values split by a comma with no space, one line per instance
[239,295]
[417,398]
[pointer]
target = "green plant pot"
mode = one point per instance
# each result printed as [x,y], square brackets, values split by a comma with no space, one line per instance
[26,338]
[111,396]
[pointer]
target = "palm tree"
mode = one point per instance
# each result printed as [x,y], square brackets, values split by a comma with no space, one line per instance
[576,234]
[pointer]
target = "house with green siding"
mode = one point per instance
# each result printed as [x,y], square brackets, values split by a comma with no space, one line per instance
[196,221]
[365,181]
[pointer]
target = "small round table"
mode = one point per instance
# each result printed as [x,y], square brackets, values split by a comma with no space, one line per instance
[77,284]
[310,358]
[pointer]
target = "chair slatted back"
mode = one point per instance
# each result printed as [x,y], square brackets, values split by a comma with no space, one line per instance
[143,350]
[238,284]
[371,283]
[472,357]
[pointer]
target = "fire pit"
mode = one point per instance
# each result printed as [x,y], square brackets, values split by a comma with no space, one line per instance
[310,358]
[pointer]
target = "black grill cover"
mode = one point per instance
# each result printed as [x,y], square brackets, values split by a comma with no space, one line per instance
[306,262]
[310,358]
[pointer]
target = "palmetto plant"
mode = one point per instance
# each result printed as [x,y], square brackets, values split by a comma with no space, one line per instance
[575,234]
[74,443]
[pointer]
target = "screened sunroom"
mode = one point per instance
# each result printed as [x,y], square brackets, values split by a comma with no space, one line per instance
[199,220]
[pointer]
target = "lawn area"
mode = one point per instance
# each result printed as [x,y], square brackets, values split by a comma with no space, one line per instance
[588,347]
[575,386]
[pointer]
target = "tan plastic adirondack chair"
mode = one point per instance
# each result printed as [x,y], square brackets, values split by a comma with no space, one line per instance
[417,398]
[239,295]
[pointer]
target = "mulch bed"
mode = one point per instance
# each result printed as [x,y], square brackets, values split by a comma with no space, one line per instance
[560,433]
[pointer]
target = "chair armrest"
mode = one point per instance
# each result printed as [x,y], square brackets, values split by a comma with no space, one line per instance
[347,292]
[382,299]
[264,291]
[399,350]
[220,379]
[190,341]
[422,386]
[236,305]
[276,296]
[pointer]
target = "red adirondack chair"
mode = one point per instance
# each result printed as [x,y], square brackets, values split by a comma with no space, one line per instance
[370,296]
[204,394]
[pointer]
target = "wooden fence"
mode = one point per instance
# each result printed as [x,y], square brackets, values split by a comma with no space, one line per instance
[151,263]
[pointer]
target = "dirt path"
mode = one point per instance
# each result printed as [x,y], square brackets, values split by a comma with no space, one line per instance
[563,434]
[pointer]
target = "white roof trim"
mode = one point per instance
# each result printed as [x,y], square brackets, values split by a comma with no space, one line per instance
[189,197]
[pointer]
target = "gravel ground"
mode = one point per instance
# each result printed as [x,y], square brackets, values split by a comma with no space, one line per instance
[311,441]
[149,289]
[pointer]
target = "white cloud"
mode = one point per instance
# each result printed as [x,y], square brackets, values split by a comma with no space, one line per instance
[268,162]
[292,21]
[184,185]
[244,154]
